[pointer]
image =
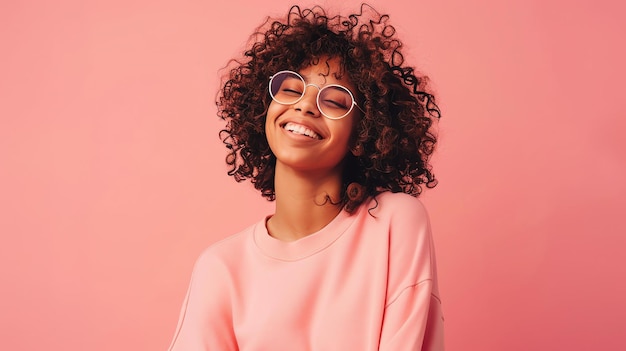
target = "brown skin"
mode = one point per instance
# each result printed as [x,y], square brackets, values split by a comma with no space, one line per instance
[308,170]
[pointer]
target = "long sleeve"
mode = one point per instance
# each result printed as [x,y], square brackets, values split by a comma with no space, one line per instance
[413,317]
[205,319]
[413,321]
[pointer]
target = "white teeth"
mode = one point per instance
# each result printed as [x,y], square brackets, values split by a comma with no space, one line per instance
[302,130]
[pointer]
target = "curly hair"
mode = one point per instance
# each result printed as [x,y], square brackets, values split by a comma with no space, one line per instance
[394,138]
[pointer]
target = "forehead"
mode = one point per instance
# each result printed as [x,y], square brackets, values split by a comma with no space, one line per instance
[325,71]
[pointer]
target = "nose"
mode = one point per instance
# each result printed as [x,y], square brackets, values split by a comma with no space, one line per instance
[308,103]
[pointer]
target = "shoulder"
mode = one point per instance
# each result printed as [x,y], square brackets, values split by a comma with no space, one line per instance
[407,221]
[398,206]
[223,253]
[410,241]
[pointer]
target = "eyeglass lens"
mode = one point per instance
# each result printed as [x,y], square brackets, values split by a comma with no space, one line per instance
[334,101]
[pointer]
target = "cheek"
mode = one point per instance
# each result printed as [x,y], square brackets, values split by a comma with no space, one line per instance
[346,131]
[270,116]
[273,111]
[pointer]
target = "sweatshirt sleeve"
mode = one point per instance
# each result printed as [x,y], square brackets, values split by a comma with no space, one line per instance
[413,317]
[205,321]
[413,321]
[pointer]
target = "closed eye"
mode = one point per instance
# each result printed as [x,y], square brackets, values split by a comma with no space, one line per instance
[291,91]
[334,104]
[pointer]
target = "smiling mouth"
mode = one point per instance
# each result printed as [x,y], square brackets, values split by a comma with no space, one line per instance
[301,130]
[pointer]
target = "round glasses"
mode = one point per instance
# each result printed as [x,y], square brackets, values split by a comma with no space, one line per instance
[334,101]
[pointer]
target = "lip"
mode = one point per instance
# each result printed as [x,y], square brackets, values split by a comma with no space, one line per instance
[303,123]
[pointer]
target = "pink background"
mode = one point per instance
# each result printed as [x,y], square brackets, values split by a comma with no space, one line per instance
[112,177]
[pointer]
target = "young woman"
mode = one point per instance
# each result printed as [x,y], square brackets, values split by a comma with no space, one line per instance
[323,117]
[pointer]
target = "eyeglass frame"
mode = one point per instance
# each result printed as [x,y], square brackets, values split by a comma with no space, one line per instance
[317,98]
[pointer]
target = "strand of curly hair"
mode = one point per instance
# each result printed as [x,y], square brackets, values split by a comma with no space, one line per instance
[395,137]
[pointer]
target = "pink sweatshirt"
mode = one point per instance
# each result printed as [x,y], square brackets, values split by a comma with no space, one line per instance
[366,281]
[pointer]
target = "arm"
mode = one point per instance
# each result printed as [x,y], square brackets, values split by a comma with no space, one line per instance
[205,322]
[412,319]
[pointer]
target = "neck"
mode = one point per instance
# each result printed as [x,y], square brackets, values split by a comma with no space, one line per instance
[305,202]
